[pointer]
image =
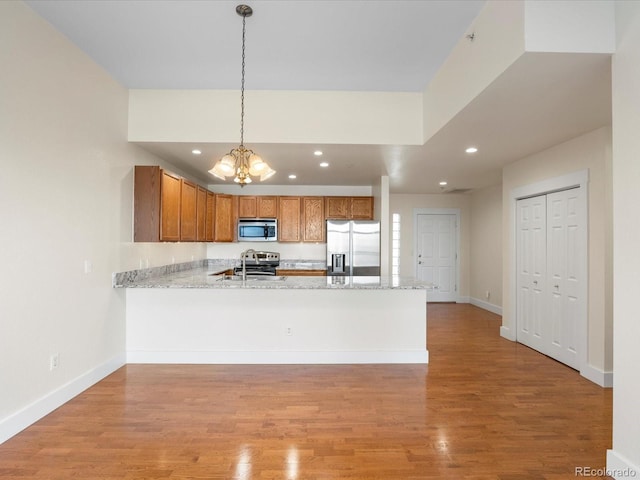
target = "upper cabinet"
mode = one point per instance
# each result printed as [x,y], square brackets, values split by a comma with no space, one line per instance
[210,217]
[349,208]
[337,208]
[312,221]
[201,215]
[188,211]
[168,208]
[251,206]
[289,209]
[362,208]
[267,206]
[225,218]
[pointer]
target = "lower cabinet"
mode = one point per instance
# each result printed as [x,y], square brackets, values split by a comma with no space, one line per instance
[300,273]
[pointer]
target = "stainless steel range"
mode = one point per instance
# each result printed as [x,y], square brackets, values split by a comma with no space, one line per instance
[258,262]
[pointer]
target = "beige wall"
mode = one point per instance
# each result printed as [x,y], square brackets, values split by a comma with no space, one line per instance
[404,204]
[65,198]
[626,234]
[486,245]
[593,152]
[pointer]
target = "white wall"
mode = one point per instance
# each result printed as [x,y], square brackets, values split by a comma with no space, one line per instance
[486,247]
[378,118]
[591,151]
[585,26]
[65,198]
[626,234]
[404,204]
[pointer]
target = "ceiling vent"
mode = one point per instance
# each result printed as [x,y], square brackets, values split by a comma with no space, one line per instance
[457,190]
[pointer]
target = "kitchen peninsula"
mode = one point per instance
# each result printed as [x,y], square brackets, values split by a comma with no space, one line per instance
[197,315]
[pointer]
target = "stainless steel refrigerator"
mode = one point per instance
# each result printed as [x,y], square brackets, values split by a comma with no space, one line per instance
[353,248]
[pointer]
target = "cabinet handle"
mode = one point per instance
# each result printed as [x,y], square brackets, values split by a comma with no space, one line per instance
[556,286]
[535,282]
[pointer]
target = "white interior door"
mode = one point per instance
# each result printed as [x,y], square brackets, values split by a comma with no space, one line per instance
[531,267]
[564,273]
[436,255]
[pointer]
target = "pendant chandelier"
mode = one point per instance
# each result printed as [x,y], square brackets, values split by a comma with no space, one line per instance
[242,163]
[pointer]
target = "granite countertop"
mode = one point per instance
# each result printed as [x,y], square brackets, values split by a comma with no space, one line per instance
[208,274]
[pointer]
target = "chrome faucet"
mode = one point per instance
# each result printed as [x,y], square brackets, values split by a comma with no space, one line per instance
[243,257]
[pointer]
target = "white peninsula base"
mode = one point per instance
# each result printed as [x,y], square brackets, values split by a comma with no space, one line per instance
[276,326]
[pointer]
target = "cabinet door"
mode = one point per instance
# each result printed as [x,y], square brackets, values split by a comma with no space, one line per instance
[224,218]
[313,219]
[247,206]
[267,207]
[211,216]
[201,215]
[146,203]
[188,211]
[170,208]
[362,208]
[338,208]
[289,219]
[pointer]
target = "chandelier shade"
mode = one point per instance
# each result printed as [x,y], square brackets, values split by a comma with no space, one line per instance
[242,163]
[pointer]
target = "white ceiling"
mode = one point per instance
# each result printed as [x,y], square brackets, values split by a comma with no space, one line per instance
[342,45]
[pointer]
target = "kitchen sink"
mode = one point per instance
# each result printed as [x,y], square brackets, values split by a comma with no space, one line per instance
[251,278]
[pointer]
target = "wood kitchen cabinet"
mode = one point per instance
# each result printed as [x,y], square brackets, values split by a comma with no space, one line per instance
[210,217]
[300,273]
[170,191]
[267,206]
[201,215]
[262,206]
[337,208]
[362,208]
[225,218]
[349,208]
[289,210]
[247,206]
[312,219]
[188,211]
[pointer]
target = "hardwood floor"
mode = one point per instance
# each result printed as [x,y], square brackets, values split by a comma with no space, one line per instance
[484,408]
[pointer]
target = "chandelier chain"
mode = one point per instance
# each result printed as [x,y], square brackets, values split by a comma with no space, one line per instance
[244,19]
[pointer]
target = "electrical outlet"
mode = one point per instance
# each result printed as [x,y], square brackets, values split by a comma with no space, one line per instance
[54,361]
[88,266]
[289,331]
[487,294]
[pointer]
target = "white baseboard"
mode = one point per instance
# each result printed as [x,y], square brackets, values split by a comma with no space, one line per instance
[506,332]
[597,376]
[30,414]
[620,467]
[274,358]
[486,306]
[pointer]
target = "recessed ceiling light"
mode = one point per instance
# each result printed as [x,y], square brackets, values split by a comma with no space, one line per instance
[293,176]
[443,183]
[471,150]
[324,164]
[196,152]
[318,153]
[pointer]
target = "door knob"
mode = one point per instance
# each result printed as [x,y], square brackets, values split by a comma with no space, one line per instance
[420,262]
[535,282]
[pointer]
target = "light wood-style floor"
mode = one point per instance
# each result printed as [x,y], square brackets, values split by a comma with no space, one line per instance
[484,408]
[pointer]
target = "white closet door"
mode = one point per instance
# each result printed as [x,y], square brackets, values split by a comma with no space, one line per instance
[564,260]
[531,264]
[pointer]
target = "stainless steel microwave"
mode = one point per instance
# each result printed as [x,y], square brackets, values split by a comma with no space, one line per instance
[257,230]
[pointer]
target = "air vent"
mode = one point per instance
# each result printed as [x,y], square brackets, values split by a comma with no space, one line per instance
[458,190]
